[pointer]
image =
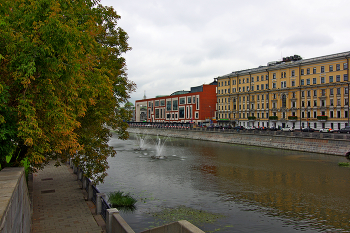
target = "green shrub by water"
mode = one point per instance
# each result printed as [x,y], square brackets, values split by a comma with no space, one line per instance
[120,199]
[344,164]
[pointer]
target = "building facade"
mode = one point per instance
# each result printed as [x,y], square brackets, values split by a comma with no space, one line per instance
[294,92]
[196,106]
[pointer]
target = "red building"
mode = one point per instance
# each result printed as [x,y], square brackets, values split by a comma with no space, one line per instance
[197,106]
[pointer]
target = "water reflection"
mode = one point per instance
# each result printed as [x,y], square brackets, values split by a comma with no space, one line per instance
[259,189]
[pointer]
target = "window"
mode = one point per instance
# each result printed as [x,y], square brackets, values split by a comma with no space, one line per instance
[284,101]
[252,79]
[225,83]
[293,83]
[338,78]
[308,93]
[330,68]
[314,81]
[181,112]
[274,75]
[314,70]
[331,114]
[189,99]
[315,93]
[266,86]
[247,80]
[162,103]
[322,69]
[183,100]
[257,87]
[174,105]
[345,77]
[337,66]
[338,91]
[243,89]
[315,104]
[168,105]
[302,82]
[273,85]
[302,71]
[243,80]
[322,79]
[302,94]
[346,91]
[345,66]
[293,73]
[252,88]
[330,79]
[323,92]
[262,77]
[239,81]
[267,77]
[308,81]
[331,102]
[262,86]
[308,71]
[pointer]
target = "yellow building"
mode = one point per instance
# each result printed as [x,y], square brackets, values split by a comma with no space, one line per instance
[294,92]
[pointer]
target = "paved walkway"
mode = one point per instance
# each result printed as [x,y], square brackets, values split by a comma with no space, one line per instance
[59,204]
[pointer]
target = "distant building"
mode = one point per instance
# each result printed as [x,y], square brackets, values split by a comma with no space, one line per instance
[294,92]
[197,105]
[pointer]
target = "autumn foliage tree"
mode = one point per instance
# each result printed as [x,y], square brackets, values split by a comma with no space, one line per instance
[62,82]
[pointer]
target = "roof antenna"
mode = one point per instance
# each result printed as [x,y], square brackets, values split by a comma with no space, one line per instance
[144,95]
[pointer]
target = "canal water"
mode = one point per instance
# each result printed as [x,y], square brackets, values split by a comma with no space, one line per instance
[255,189]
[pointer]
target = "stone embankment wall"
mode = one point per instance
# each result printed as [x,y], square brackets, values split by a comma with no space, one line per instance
[290,142]
[15,212]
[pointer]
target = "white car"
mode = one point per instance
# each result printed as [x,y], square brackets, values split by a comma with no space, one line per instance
[287,129]
[250,127]
[326,130]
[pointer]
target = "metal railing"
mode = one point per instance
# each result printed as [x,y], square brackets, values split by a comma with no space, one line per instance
[94,194]
[104,207]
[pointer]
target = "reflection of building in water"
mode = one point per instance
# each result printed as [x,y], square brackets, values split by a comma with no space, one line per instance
[297,190]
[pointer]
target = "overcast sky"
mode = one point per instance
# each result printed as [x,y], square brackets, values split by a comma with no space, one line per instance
[177,44]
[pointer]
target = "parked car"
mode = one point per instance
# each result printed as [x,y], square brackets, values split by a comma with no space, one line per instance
[326,130]
[308,130]
[261,128]
[238,128]
[287,129]
[250,127]
[345,130]
[273,128]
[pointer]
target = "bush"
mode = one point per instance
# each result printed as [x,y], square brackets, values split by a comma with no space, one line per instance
[344,164]
[120,199]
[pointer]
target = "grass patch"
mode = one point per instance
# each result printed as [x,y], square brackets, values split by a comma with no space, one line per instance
[344,164]
[120,199]
[196,217]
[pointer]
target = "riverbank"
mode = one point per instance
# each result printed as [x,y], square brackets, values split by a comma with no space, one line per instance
[281,141]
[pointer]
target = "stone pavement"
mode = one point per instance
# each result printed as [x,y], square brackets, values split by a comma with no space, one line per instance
[59,204]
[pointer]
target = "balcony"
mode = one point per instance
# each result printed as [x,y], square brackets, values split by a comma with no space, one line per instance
[273,118]
[292,118]
[251,118]
[322,118]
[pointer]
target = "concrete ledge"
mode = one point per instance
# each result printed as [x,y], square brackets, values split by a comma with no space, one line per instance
[288,142]
[182,226]
[15,213]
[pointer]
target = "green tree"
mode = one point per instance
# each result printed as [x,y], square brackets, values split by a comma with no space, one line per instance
[62,79]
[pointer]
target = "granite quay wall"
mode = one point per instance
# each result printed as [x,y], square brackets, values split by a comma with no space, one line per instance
[326,143]
[15,211]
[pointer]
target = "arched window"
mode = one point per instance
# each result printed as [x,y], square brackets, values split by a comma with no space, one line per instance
[284,101]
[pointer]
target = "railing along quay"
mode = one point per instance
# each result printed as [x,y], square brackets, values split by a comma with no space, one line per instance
[114,222]
[296,133]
